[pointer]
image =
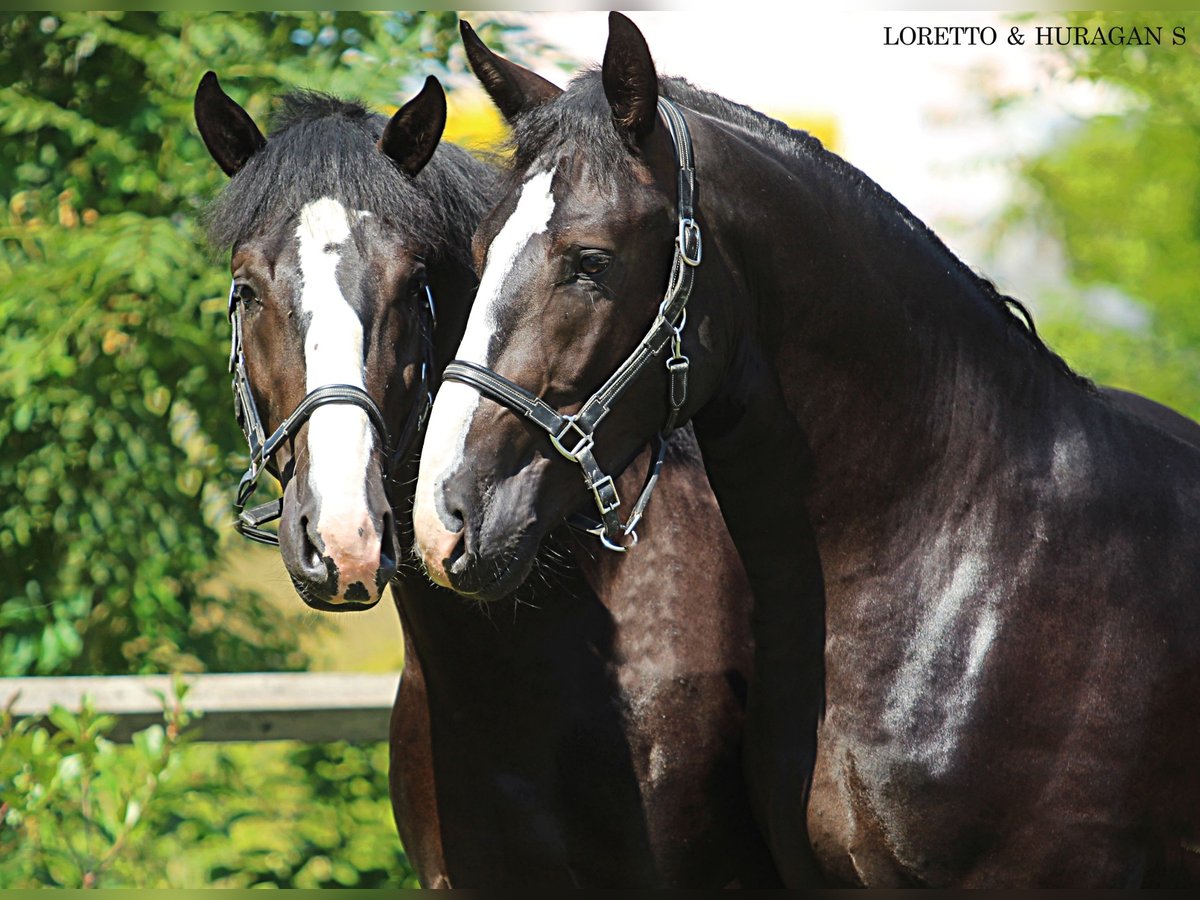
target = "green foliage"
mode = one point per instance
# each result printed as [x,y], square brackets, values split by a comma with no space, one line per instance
[328,823]
[77,810]
[1122,192]
[118,448]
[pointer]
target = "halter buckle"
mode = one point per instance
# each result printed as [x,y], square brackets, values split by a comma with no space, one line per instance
[689,236]
[605,492]
[629,533]
[248,483]
[586,439]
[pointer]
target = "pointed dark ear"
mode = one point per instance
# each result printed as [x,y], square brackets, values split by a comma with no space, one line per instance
[512,88]
[414,131]
[630,81]
[228,131]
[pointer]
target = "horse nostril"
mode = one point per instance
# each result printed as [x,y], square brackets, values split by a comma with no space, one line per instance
[310,555]
[460,549]
[447,556]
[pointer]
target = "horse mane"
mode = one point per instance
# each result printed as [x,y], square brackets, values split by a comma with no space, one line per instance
[582,114]
[324,146]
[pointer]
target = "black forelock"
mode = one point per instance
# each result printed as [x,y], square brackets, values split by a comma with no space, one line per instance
[580,120]
[324,146]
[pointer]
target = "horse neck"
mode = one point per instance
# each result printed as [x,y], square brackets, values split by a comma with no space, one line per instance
[908,382]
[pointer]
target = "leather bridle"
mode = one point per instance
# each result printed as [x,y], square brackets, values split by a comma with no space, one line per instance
[263,448]
[579,430]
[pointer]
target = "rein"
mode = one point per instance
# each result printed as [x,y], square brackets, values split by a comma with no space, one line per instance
[250,522]
[579,430]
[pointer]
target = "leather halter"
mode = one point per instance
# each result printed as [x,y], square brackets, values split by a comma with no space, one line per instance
[249,522]
[574,435]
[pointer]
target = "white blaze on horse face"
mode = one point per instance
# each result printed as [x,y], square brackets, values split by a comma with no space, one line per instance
[339,435]
[446,434]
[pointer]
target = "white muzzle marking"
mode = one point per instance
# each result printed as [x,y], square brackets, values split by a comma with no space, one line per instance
[340,438]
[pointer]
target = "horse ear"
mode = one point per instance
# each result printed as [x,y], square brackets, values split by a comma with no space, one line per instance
[512,88]
[630,81]
[228,131]
[412,135]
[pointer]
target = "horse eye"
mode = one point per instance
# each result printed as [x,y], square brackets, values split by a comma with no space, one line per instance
[593,262]
[244,293]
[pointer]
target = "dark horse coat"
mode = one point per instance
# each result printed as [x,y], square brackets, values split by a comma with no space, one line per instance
[586,732]
[997,563]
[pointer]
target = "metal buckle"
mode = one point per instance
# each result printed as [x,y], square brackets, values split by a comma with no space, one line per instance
[689,228]
[585,440]
[617,548]
[677,337]
[248,483]
[605,493]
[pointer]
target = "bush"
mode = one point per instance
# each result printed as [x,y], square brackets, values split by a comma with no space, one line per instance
[79,811]
[74,810]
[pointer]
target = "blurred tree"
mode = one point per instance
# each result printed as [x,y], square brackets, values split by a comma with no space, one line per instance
[1122,192]
[118,449]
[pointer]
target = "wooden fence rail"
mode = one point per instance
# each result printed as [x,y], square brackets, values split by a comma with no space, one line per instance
[260,706]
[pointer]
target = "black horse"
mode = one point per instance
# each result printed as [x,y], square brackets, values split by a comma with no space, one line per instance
[588,733]
[1008,558]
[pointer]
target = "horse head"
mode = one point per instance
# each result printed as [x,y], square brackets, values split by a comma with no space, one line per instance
[328,258]
[576,262]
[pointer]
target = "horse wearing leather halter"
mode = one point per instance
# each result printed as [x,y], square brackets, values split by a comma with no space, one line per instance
[580,427]
[976,621]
